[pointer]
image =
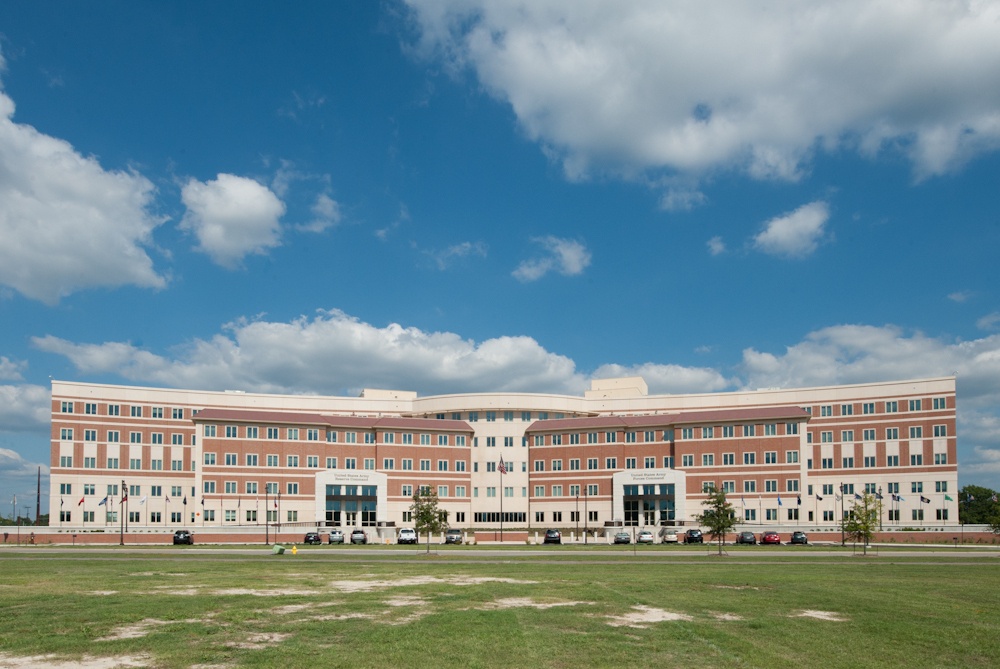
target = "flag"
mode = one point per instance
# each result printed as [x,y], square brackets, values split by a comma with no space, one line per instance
[743,500]
[899,498]
[203,501]
[948,498]
[779,500]
[969,498]
[878,495]
[61,502]
[185,500]
[502,467]
[80,502]
[994,498]
[798,500]
[819,498]
[924,500]
[142,501]
[103,502]
[837,497]
[239,502]
[123,499]
[857,496]
[276,504]
[168,499]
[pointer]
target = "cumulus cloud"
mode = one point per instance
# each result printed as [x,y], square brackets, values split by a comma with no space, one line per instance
[716,246]
[67,224]
[565,256]
[24,408]
[325,212]
[670,379]
[444,258]
[757,87]
[796,234]
[232,217]
[332,353]
[10,370]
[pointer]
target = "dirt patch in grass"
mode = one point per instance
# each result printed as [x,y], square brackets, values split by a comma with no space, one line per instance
[87,662]
[142,628]
[727,617]
[736,587]
[821,615]
[260,640]
[643,616]
[528,602]
[356,585]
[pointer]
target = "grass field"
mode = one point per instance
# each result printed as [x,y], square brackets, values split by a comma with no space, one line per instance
[322,608]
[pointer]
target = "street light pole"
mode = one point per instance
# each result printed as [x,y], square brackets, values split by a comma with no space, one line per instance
[121,515]
[843,538]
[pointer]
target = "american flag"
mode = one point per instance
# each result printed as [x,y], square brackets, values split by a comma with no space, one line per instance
[503,467]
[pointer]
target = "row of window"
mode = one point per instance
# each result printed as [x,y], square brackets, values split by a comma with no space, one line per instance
[491,416]
[889,406]
[729,459]
[114,437]
[155,464]
[848,462]
[574,490]
[135,411]
[869,434]
[331,462]
[134,491]
[333,436]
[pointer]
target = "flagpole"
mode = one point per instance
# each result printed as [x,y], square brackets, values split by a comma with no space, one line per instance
[121,518]
[501,499]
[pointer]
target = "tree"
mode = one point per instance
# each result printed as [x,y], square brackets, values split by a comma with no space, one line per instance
[719,516]
[427,517]
[976,505]
[863,519]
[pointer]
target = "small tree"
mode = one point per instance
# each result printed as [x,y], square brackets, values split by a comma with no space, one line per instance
[719,516]
[427,517]
[863,519]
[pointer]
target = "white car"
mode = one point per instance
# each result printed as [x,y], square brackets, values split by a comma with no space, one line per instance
[407,535]
[669,536]
[644,537]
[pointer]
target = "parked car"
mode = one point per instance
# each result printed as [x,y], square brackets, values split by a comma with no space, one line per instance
[644,537]
[183,537]
[358,536]
[312,538]
[694,537]
[336,537]
[623,538]
[453,536]
[552,537]
[770,538]
[799,538]
[746,538]
[407,535]
[669,536]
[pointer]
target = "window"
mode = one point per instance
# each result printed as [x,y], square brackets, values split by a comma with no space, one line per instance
[707,459]
[460,465]
[135,463]
[892,434]
[230,487]
[251,487]
[847,436]
[270,487]
[749,514]
[771,485]
[848,463]
[491,416]
[892,461]
[940,486]
[868,435]
[210,430]
[728,431]
[209,486]
[272,460]
[749,458]
[491,442]
[293,461]
[649,462]
[729,458]
[791,428]
[252,459]
[918,514]
[557,465]
[425,465]
[792,485]
[350,463]
[749,486]
[591,463]
[272,433]
[917,486]
[592,489]
[916,459]
[770,457]
[940,403]
[331,463]
[771,430]
[687,461]
[914,405]
[826,437]
[892,407]
[791,457]
[916,432]
[869,461]
[868,408]
[826,463]
[846,409]
[826,410]
[574,439]
[707,432]
[940,458]
[940,430]
[687,433]
[156,465]
[574,464]
[407,464]
[292,488]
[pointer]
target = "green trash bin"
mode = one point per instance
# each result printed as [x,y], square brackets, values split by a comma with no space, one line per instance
[278,550]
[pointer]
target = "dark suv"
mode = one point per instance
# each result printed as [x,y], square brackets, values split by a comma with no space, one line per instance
[183,537]
[312,538]
[694,537]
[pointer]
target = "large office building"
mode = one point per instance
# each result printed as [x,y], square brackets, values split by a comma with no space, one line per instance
[170,458]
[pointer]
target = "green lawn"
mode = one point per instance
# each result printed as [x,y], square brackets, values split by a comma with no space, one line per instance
[324,609]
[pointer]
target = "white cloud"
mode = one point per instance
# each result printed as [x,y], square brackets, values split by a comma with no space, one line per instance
[666,379]
[443,259]
[67,224]
[326,214]
[796,234]
[989,321]
[757,87]
[565,256]
[232,217]
[24,408]
[960,296]
[716,246]
[332,353]
[10,370]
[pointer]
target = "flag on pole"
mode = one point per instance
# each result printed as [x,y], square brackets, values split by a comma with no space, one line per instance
[857,496]
[142,501]
[185,500]
[168,499]
[969,498]
[819,498]
[103,502]
[899,498]
[123,499]
[878,495]
[502,467]
[924,500]
[61,502]
[836,497]
[203,501]
[80,502]
[779,500]
[798,500]
[743,500]
[948,498]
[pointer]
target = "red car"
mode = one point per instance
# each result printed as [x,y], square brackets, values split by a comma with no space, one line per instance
[770,538]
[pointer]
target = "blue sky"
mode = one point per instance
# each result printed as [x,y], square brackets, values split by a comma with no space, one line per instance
[469,195]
